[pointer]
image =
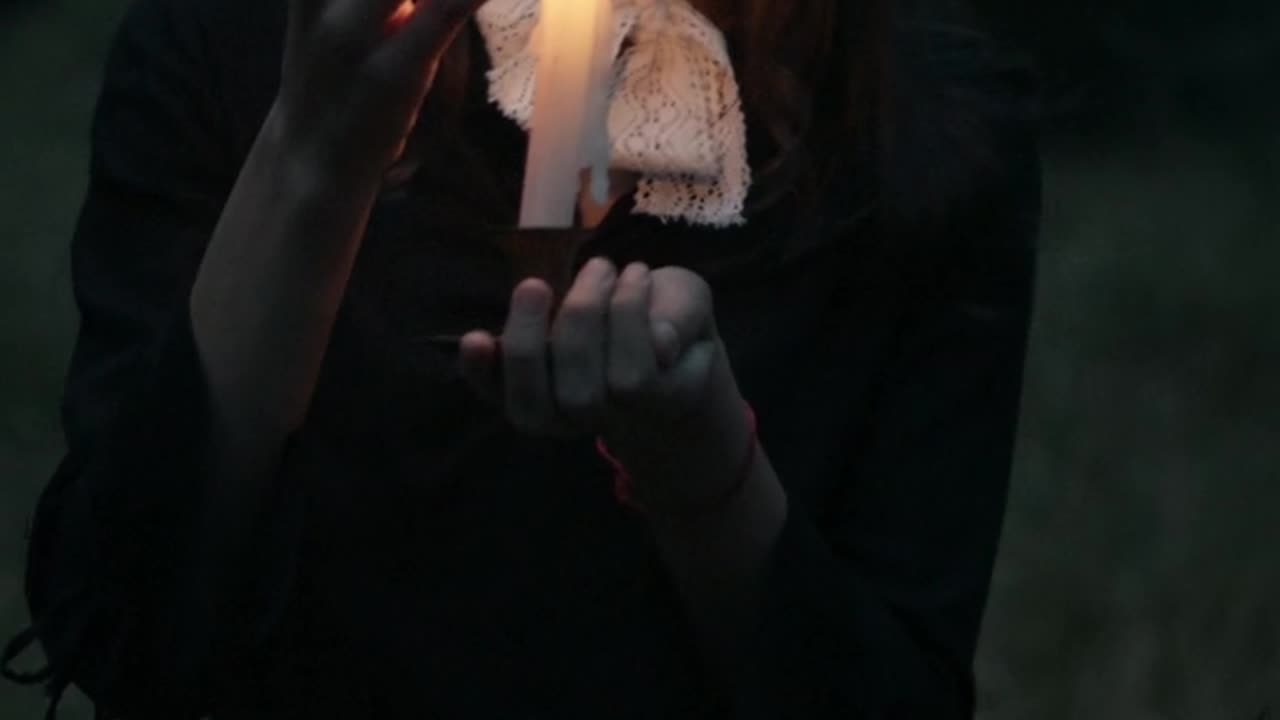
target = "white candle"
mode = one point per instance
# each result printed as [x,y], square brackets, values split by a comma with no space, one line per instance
[568,128]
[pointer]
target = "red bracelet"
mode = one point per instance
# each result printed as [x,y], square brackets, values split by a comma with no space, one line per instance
[624,491]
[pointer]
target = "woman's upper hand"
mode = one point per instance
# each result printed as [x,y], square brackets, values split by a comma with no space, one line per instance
[355,74]
[629,353]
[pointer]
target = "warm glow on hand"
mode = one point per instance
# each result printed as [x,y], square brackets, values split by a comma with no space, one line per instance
[401,15]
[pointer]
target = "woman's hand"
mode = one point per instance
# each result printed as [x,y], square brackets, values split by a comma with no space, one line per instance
[627,354]
[355,74]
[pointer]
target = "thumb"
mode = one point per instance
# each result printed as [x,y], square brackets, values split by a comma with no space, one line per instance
[667,345]
[682,302]
[478,355]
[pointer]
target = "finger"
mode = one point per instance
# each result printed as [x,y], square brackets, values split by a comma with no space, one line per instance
[478,362]
[682,311]
[666,343]
[430,29]
[365,19]
[524,355]
[632,364]
[578,343]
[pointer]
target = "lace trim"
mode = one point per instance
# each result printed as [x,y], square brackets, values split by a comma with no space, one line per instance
[675,114]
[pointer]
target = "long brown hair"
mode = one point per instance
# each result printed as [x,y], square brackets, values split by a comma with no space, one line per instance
[811,73]
[910,96]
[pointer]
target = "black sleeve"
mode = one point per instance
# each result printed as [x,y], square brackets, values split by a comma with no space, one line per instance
[874,601]
[111,534]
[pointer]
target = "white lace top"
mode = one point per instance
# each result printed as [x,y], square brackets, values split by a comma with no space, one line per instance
[675,114]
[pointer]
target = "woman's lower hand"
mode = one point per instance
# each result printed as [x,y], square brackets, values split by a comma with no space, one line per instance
[630,352]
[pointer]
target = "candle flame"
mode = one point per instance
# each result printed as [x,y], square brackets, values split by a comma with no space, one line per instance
[401,15]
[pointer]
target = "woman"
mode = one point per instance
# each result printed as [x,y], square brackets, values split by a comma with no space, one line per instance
[283,499]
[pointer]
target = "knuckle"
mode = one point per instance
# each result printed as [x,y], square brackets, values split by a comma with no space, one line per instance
[577,312]
[574,326]
[626,300]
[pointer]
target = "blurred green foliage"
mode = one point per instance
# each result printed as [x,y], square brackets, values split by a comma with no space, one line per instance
[1126,66]
[1136,578]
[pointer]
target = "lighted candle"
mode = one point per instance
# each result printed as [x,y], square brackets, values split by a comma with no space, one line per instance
[568,128]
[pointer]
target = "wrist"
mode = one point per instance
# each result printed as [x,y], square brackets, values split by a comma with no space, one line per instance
[313,167]
[710,481]
[695,460]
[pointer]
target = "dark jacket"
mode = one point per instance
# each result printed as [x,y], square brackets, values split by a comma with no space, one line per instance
[422,559]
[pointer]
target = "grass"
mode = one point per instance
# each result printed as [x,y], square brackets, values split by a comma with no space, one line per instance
[1136,579]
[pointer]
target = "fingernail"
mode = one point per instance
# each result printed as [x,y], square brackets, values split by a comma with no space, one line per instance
[532,299]
[666,342]
[604,269]
[636,272]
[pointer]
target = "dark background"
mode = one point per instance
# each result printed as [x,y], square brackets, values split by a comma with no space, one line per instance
[1138,578]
